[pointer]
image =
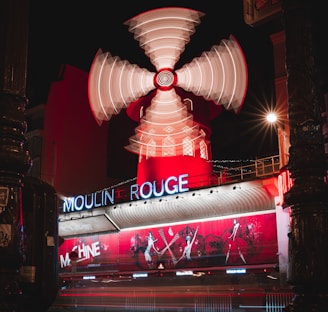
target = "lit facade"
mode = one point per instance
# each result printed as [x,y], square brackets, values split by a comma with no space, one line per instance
[108,237]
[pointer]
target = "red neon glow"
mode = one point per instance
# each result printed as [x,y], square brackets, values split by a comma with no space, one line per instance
[234,241]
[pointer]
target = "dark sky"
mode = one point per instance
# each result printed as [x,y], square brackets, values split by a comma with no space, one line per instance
[71,32]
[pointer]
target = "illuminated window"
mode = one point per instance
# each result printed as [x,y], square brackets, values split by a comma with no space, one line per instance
[188,147]
[151,148]
[168,129]
[203,149]
[168,146]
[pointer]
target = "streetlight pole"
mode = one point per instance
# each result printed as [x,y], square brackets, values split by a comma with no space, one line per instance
[307,198]
[277,121]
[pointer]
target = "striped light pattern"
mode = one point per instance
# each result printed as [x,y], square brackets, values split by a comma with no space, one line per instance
[114,84]
[166,127]
[219,75]
[163,33]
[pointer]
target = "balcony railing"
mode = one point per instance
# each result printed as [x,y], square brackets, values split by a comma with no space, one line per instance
[259,168]
[231,173]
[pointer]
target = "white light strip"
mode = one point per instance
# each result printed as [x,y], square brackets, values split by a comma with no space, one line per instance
[184,273]
[236,271]
[199,220]
[137,275]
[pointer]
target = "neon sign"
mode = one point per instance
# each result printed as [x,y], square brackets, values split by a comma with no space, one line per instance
[285,183]
[169,186]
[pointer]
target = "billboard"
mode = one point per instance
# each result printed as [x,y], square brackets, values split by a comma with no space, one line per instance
[246,239]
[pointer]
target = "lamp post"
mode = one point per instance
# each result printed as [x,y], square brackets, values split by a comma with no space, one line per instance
[279,121]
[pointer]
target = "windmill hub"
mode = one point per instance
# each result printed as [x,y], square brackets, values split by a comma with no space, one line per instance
[165,79]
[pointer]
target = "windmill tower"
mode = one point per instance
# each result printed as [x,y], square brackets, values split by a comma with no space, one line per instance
[173,107]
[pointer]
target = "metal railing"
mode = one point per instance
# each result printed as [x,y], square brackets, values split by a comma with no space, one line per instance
[259,168]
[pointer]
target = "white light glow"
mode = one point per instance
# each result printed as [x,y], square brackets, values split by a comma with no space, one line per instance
[89,277]
[271,117]
[166,127]
[165,124]
[236,271]
[220,75]
[163,33]
[113,84]
[137,275]
[184,273]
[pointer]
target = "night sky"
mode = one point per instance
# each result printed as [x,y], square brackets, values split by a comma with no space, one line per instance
[71,32]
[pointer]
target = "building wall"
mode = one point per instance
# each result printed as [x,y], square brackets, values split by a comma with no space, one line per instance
[74,145]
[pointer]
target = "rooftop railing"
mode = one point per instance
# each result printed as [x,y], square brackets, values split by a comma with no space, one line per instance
[259,168]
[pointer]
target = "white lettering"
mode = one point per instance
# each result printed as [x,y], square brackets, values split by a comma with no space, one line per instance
[174,188]
[84,252]
[89,205]
[65,261]
[96,196]
[108,197]
[134,192]
[149,188]
[79,206]
[161,192]
[183,181]
[171,185]
[68,205]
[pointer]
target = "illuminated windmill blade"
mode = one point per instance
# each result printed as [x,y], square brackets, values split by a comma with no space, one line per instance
[114,84]
[163,33]
[166,129]
[220,75]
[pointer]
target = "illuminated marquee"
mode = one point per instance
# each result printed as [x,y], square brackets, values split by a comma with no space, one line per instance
[169,186]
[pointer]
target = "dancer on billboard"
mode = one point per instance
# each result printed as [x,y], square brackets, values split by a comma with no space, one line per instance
[187,249]
[234,241]
[150,245]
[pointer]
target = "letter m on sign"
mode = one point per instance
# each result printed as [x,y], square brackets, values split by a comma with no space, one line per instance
[68,205]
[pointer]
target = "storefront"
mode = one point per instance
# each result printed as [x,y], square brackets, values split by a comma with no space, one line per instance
[238,225]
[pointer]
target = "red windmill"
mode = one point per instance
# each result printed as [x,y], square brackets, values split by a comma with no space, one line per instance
[173,107]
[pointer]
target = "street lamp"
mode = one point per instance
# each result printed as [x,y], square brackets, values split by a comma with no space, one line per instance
[271,117]
[282,128]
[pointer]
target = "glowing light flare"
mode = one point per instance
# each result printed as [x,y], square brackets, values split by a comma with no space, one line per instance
[163,33]
[113,84]
[220,75]
[271,117]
